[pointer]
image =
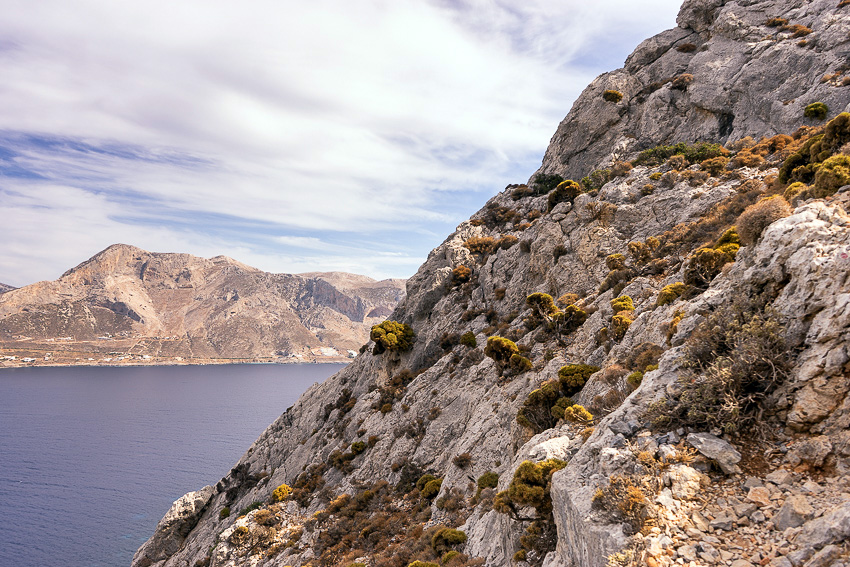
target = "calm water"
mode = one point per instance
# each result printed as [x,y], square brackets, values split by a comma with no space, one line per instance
[91,458]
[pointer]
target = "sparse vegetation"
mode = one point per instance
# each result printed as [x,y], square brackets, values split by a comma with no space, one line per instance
[612,96]
[566,191]
[816,111]
[281,493]
[392,336]
[737,357]
[758,216]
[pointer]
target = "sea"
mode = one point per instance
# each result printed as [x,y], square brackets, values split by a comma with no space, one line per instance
[92,457]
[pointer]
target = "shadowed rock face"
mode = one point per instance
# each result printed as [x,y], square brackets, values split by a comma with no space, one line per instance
[4,288]
[182,305]
[740,86]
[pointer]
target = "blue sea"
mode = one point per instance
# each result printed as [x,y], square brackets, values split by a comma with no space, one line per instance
[92,457]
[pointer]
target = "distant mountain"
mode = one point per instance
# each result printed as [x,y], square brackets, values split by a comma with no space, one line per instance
[4,288]
[133,303]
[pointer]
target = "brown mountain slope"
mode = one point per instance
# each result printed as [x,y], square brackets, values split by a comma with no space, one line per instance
[129,301]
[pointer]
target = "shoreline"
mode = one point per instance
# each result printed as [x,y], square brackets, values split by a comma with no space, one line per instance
[198,362]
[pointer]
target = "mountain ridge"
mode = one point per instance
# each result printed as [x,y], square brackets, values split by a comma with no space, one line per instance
[166,306]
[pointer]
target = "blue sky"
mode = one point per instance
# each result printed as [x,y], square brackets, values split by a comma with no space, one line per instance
[337,135]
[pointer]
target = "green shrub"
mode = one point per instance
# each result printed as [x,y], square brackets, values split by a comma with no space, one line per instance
[595,180]
[622,303]
[392,336]
[430,490]
[572,377]
[281,493]
[816,111]
[655,176]
[418,563]
[500,349]
[461,274]
[542,303]
[468,339]
[612,96]
[358,447]
[570,319]
[794,190]
[620,323]
[250,508]
[447,538]
[577,414]
[423,480]
[759,216]
[566,191]
[832,174]
[615,261]
[530,486]
[696,153]
[635,378]
[481,245]
[224,513]
[519,364]
[670,293]
[536,412]
[489,479]
[559,407]
[448,556]
[545,182]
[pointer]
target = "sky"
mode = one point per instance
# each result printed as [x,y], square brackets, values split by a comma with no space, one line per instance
[349,135]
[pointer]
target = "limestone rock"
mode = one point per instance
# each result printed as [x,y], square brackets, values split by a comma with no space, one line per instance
[795,512]
[832,527]
[739,89]
[173,528]
[716,449]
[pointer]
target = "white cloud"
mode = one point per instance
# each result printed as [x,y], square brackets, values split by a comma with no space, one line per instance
[287,117]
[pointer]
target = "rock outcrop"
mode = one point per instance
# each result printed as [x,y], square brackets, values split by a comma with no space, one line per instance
[601,375]
[724,73]
[4,288]
[156,306]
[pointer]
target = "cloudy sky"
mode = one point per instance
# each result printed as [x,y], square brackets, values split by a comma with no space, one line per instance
[292,136]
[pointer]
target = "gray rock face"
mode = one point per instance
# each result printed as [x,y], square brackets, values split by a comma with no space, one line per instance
[173,528]
[739,67]
[716,449]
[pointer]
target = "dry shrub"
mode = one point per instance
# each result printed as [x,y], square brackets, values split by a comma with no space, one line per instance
[481,245]
[681,82]
[620,169]
[738,357]
[715,166]
[758,216]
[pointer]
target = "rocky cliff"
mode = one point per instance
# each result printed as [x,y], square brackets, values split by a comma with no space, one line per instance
[154,306]
[649,367]
[4,288]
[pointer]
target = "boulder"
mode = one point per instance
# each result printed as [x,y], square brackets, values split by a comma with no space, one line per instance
[716,449]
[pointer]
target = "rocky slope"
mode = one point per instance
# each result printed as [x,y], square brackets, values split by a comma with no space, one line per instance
[721,75]
[4,288]
[161,306]
[648,369]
